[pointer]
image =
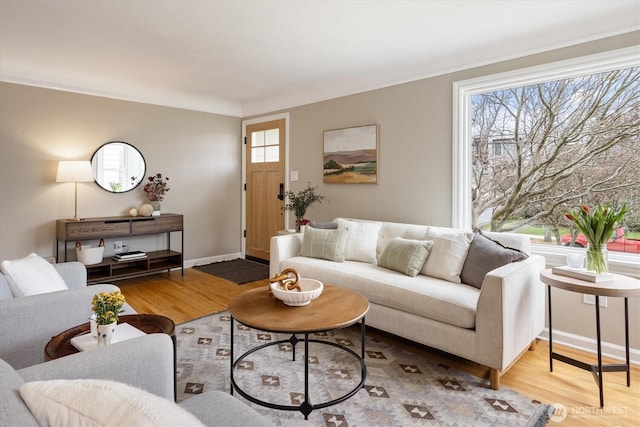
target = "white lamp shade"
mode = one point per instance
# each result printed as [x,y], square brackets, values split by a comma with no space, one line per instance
[74,171]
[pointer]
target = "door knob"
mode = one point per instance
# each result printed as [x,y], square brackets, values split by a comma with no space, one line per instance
[281,195]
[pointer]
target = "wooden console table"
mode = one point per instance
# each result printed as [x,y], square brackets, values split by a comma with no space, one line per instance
[122,227]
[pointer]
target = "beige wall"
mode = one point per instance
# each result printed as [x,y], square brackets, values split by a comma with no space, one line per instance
[415,167]
[415,122]
[199,152]
[201,155]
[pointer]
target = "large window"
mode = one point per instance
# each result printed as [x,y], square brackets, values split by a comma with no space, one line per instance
[532,144]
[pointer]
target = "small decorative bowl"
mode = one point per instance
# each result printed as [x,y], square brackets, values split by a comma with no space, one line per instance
[310,289]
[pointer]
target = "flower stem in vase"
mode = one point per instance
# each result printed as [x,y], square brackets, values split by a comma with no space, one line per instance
[597,259]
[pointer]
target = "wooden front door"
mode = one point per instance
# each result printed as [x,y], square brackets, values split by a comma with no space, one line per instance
[265,185]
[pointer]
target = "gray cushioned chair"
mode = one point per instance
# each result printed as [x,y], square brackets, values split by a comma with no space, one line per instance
[28,323]
[145,363]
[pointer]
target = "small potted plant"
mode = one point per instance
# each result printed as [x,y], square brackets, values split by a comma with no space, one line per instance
[106,308]
[300,202]
[597,225]
[155,189]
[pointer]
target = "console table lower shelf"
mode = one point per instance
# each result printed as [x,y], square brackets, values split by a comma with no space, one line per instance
[155,261]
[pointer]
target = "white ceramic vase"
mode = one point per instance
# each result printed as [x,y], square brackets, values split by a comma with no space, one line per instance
[107,334]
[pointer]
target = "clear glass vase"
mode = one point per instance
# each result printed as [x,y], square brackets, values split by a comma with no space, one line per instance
[155,204]
[597,259]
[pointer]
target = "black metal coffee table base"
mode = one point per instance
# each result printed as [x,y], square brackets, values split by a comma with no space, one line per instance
[305,407]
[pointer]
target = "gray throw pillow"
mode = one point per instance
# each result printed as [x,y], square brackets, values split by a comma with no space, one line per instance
[323,225]
[485,255]
[325,244]
[405,255]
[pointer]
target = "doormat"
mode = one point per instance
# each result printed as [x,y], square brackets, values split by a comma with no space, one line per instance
[237,270]
[402,388]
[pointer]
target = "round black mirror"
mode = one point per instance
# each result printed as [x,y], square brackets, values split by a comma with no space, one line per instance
[118,167]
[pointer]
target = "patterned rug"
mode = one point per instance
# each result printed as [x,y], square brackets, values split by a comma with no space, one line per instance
[401,388]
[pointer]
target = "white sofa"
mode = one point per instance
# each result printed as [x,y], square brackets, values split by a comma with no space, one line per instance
[491,323]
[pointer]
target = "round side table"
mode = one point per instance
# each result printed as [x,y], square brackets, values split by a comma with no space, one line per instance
[618,286]
[60,345]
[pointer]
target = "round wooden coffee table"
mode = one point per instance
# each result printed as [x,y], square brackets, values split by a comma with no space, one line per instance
[335,308]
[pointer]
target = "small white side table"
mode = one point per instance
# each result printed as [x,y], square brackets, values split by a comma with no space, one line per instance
[620,286]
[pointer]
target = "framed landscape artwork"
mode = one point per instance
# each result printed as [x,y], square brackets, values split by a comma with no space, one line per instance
[351,155]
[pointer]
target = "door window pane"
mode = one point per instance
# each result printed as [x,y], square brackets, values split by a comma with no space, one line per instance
[257,139]
[272,154]
[257,155]
[272,137]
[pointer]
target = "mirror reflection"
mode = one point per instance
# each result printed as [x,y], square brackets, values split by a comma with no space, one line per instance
[118,167]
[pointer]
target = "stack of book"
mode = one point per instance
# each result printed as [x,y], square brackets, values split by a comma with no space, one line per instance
[129,256]
[579,273]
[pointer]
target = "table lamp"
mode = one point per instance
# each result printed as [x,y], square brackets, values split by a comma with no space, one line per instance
[75,171]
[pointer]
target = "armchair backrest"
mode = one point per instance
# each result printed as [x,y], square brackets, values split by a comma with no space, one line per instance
[73,273]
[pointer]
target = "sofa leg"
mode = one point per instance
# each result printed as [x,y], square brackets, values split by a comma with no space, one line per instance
[494,378]
[533,345]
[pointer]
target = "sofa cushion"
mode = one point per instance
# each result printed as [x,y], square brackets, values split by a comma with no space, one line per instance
[448,253]
[324,243]
[31,275]
[219,408]
[323,225]
[484,256]
[100,403]
[405,255]
[5,290]
[391,230]
[436,299]
[13,411]
[361,241]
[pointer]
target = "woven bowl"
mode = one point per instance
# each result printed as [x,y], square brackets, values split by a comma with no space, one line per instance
[310,289]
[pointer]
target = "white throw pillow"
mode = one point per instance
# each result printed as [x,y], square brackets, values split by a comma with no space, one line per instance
[361,241]
[32,275]
[448,253]
[100,403]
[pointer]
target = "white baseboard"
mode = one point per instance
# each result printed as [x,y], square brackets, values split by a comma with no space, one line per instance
[589,345]
[208,260]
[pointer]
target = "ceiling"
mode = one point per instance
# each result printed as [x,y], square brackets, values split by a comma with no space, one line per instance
[243,58]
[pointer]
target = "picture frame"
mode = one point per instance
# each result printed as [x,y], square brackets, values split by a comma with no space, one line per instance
[351,156]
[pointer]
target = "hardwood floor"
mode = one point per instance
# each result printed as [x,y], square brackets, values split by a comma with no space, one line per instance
[198,294]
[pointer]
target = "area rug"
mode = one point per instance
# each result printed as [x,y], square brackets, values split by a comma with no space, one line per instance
[401,388]
[237,270]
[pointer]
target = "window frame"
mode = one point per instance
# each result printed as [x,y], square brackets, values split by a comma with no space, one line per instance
[463,91]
